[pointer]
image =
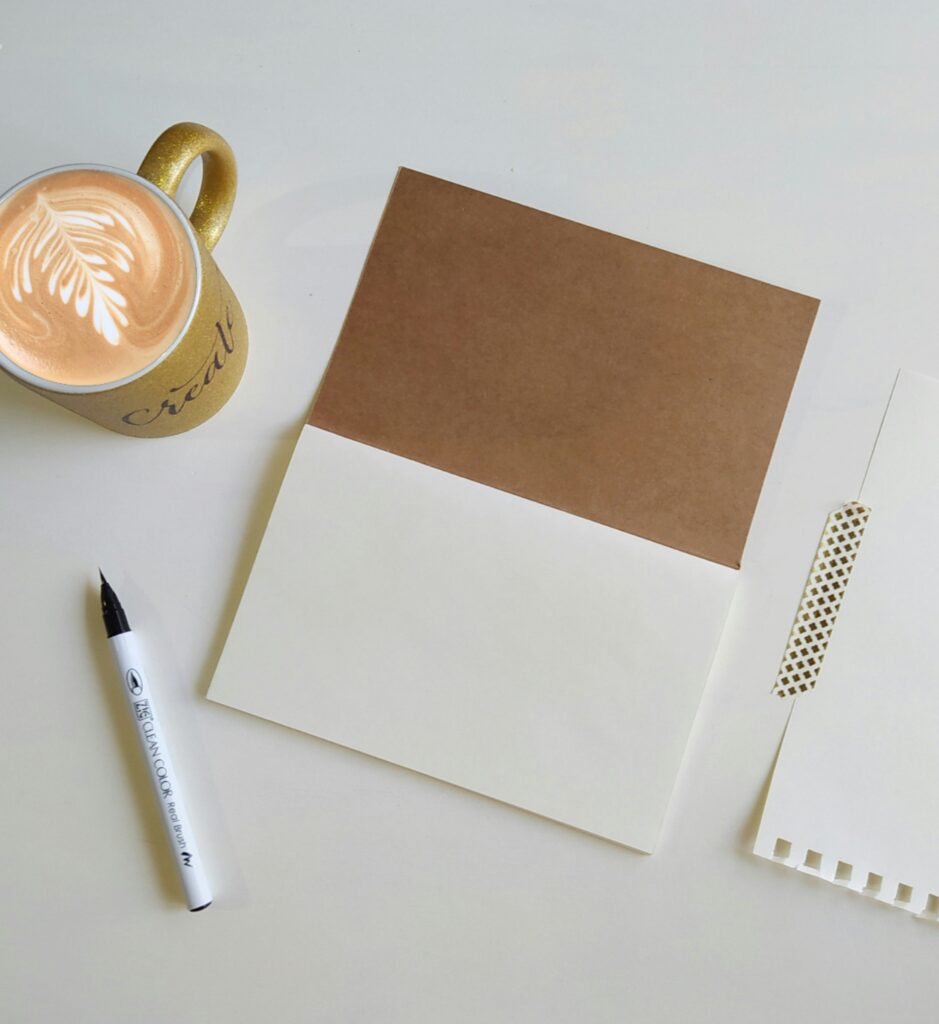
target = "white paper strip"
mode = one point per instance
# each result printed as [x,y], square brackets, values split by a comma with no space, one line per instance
[855,793]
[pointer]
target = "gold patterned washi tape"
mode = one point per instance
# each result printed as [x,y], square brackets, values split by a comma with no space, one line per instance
[821,599]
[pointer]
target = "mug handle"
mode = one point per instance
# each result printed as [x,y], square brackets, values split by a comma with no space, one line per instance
[169,158]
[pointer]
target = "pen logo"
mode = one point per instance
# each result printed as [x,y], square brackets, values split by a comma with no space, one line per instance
[134,682]
[187,858]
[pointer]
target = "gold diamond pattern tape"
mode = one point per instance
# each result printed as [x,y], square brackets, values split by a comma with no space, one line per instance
[821,599]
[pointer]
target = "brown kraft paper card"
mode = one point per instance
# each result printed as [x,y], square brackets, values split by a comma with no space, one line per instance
[610,379]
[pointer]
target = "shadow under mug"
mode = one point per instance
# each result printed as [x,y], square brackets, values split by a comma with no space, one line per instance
[196,374]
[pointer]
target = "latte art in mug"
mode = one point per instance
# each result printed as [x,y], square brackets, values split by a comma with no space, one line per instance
[97,278]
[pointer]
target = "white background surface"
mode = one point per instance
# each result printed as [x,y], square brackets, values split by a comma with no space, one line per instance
[795,142]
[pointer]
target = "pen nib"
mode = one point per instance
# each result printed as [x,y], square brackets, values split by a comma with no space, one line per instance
[115,621]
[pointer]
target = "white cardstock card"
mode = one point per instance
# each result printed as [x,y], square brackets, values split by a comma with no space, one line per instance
[475,636]
[854,797]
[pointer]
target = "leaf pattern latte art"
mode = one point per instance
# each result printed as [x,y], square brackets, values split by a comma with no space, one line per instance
[77,254]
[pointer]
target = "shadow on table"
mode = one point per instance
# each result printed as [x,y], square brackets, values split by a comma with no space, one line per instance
[267,494]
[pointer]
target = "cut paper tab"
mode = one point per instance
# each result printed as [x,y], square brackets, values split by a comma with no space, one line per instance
[854,797]
[821,599]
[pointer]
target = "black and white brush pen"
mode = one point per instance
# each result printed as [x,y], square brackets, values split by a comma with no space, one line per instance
[166,785]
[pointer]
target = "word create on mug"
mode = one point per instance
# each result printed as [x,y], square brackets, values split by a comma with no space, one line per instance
[174,403]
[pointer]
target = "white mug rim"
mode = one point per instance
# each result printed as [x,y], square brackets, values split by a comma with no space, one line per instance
[91,389]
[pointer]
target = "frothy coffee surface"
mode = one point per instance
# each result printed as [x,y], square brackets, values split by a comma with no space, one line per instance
[98,277]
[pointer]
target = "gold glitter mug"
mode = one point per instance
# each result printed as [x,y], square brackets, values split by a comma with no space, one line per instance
[111,304]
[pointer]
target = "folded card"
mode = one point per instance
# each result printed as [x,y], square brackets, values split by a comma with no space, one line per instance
[854,797]
[508,537]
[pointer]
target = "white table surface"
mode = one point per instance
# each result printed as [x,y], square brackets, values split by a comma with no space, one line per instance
[795,142]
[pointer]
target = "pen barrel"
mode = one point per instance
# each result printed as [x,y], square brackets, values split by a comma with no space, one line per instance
[160,770]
